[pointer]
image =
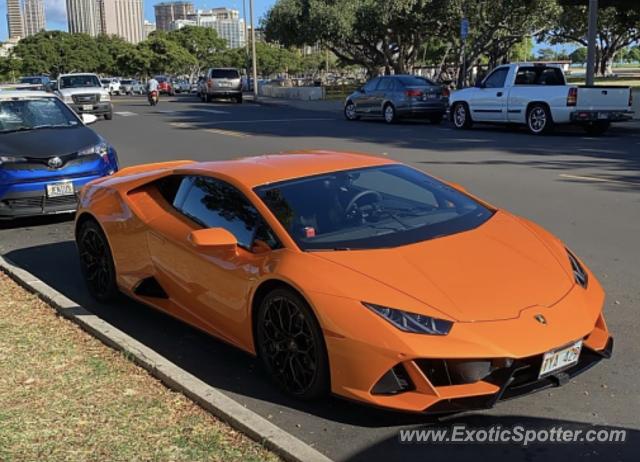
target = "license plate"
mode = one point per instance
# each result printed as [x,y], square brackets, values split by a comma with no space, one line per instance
[64,188]
[225,84]
[603,115]
[562,358]
[87,107]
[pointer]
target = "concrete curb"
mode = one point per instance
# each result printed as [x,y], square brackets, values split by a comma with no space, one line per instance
[226,409]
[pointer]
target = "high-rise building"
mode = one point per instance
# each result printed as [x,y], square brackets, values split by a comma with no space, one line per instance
[15,25]
[123,18]
[225,21]
[148,27]
[33,16]
[167,12]
[84,17]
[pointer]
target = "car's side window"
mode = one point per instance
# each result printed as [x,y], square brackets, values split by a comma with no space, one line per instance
[371,85]
[385,84]
[215,204]
[496,78]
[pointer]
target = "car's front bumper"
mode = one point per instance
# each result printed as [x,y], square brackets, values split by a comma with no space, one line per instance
[100,108]
[30,198]
[368,355]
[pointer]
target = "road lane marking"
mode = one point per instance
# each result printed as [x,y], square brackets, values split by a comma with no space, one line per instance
[215,131]
[212,111]
[271,121]
[125,113]
[594,179]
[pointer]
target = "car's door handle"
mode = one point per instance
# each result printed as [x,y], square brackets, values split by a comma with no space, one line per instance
[499,93]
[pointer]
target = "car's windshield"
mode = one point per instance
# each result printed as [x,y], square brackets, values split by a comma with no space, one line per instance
[79,81]
[34,113]
[224,74]
[368,208]
[126,82]
[160,78]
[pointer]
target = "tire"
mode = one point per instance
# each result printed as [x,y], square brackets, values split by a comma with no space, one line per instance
[539,120]
[597,128]
[436,119]
[280,343]
[96,262]
[108,116]
[389,113]
[461,116]
[207,98]
[350,111]
[239,99]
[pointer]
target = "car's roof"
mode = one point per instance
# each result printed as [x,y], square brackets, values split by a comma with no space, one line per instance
[18,94]
[272,168]
[77,73]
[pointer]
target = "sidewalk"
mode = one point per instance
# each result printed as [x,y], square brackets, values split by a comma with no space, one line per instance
[317,105]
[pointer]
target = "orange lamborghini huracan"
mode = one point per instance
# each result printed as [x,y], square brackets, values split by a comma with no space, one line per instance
[348,274]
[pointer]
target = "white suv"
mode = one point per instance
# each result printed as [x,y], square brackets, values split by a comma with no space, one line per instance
[85,94]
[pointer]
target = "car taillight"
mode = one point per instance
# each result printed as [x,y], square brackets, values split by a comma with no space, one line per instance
[572,97]
[209,83]
[445,92]
[413,93]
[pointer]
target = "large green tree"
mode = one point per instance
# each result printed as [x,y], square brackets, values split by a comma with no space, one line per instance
[203,43]
[163,55]
[618,27]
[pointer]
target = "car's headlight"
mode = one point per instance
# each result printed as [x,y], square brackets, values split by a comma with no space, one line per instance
[11,159]
[411,322]
[67,98]
[579,274]
[102,149]
[105,97]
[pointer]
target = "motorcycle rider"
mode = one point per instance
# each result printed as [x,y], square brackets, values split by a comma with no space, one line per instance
[152,85]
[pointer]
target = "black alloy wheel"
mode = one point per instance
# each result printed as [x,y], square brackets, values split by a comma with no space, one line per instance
[291,346]
[96,262]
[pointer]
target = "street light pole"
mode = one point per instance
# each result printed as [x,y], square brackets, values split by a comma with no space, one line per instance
[253,53]
[246,31]
[591,41]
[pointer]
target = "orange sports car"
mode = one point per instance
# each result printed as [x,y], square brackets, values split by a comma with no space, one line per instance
[349,274]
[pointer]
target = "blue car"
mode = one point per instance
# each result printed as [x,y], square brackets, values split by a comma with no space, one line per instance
[47,153]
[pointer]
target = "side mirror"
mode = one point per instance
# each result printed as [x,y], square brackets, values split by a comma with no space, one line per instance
[88,119]
[215,238]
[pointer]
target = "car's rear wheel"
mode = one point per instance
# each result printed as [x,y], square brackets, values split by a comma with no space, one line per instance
[350,112]
[96,262]
[108,116]
[291,346]
[389,113]
[597,128]
[461,117]
[539,119]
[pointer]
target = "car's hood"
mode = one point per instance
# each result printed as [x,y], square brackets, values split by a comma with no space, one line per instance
[490,273]
[81,91]
[47,142]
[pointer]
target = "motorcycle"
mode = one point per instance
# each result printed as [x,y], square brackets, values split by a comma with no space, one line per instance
[153,97]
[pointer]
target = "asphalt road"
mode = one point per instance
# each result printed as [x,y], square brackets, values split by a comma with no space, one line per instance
[585,190]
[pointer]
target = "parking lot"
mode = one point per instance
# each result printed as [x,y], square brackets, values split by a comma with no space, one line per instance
[585,190]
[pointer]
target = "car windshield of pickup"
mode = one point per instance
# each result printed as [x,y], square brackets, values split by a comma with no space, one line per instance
[79,81]
[539,75]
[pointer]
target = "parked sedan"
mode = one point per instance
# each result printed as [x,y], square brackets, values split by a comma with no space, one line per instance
[47,153]
[396,96]
[164,86]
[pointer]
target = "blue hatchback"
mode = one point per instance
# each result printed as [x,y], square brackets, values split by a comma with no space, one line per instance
[47,154]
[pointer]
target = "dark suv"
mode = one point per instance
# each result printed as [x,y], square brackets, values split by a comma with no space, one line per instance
[395,96]
[222,83]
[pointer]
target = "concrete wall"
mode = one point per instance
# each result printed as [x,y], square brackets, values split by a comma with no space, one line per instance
[300,93]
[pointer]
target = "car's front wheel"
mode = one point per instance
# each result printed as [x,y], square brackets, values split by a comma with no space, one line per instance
[460,115]
[96,262]
[350,112]
[291,346]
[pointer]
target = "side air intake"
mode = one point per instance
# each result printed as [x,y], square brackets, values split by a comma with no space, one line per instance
[150,287]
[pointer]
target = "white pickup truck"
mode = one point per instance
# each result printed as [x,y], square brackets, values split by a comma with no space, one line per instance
[538,96]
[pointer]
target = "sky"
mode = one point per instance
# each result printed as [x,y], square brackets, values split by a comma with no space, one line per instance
[55,11]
